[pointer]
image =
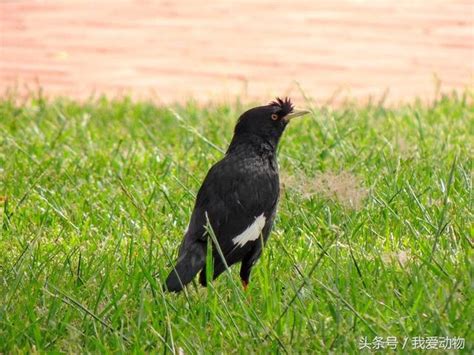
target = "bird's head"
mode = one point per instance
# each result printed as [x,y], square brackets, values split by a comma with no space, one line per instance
[267,122]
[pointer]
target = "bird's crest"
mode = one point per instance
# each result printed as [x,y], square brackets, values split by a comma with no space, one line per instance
[284,105]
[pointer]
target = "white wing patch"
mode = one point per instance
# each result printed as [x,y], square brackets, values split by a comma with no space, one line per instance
[251,233]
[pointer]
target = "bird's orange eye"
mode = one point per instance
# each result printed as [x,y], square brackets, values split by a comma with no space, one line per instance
[274,116]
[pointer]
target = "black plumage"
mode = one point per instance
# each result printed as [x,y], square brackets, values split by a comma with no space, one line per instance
[238,198]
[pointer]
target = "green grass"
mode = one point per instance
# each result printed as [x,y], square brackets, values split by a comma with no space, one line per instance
[98,195]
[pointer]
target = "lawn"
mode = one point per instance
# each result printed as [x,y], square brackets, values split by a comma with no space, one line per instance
[373,241]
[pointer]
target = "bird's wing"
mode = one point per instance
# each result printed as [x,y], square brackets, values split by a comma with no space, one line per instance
[234,194]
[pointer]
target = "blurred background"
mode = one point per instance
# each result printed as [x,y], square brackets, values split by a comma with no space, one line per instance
[172,51]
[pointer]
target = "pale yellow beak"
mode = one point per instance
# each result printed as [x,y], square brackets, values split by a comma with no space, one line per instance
[296,113]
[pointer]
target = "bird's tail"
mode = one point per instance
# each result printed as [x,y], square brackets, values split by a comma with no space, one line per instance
[189,263]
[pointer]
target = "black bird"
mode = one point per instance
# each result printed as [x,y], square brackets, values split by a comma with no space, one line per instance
[238,198]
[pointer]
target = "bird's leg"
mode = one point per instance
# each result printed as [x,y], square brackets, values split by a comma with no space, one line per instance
[202,277]
[245,274]
[245,286]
